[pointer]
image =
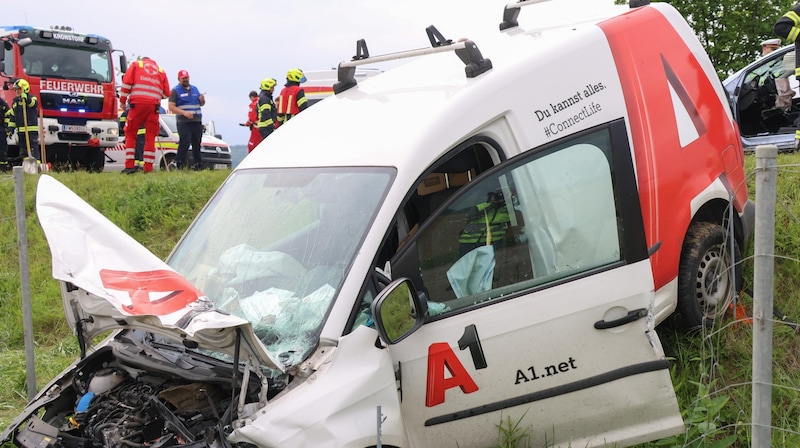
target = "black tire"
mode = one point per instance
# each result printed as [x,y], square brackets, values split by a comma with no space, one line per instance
[168,159]
[705,288]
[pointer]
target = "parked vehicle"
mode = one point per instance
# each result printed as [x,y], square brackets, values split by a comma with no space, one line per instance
[752,93]
[319,83]
[72,74]
[460,241]
[215,153]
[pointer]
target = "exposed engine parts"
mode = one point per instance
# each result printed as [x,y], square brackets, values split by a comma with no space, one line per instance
[113,408]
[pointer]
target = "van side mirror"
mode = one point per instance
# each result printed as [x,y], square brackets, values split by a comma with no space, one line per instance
[398,311]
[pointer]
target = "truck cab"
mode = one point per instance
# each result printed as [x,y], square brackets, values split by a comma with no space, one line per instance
[73,76]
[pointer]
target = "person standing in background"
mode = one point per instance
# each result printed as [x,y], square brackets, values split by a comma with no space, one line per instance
[6,115]
[267,115]
[186,101]
[252,121]
[788,27]
[144,85]
[769,45]
[25,119]
[292,99]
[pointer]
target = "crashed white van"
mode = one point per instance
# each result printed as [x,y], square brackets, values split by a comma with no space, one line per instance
[488,233]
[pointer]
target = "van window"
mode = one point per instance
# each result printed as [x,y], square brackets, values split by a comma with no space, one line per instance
[447,176]
[297,232]
[539,220]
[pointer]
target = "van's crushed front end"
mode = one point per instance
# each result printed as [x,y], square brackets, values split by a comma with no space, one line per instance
[201,346]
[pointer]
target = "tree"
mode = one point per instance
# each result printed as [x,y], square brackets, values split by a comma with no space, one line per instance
[731,31]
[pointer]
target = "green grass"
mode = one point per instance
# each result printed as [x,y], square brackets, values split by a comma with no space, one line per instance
[711,370]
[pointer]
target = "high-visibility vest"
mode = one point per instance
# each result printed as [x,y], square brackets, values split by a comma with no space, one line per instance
[496,219]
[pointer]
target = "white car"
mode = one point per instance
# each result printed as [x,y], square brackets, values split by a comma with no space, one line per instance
[752,92]
[215,153]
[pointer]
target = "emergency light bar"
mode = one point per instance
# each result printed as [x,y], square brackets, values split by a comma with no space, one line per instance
[466,50]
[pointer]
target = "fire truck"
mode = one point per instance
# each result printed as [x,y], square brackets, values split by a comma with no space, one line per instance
[72,74]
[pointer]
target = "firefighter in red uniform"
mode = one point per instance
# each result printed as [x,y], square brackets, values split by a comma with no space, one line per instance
[788,27]
[292,99]
[144,85]
[252,121]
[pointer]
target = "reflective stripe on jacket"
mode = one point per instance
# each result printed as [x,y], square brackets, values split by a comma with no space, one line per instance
[144,83]
[25,111]
[267,114]
[788,27]
[6,116]
[491,215]
[291,101]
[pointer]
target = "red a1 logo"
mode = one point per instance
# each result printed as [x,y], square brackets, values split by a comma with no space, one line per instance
[441,357]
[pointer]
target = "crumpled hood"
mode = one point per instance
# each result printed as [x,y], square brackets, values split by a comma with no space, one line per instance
[121,284]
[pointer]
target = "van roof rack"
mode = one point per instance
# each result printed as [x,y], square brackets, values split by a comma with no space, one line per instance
[511,11]
[465,49]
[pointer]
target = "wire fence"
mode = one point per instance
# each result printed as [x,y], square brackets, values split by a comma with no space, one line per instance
[741,374]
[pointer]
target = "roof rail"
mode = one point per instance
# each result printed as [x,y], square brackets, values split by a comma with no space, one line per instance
[465,49]
[511,11]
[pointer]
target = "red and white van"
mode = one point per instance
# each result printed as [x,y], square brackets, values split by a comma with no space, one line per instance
[464,240]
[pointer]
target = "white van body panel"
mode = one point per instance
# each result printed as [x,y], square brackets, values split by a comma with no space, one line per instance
[327,409]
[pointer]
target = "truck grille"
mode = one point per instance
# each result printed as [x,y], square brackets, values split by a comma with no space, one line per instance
[74,102]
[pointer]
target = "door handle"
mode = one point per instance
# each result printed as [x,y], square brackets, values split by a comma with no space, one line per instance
[630,317]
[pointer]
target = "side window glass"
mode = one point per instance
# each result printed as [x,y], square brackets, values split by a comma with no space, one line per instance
[539,220]
[9,61]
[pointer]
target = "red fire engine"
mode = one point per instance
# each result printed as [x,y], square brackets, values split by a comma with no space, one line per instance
[72,74]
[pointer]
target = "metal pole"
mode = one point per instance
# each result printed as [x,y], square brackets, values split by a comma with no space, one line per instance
[763,252]
[25,283]
[380,422]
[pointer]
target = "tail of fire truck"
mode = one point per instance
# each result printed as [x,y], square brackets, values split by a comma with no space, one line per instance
[72,74]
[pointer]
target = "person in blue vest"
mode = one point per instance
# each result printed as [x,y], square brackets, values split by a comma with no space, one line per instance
[186,102]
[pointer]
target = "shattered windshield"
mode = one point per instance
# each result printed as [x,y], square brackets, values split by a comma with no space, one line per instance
[273,247]
[51,61]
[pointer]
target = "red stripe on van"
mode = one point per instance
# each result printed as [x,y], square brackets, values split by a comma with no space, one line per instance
[646,49]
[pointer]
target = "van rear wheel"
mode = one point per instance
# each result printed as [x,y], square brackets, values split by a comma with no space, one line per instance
[705,285]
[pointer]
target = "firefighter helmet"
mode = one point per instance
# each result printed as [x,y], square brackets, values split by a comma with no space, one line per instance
[22,85]
[268,83]
[295,75]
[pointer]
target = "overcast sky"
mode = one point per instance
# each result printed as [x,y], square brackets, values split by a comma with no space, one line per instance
[229,46]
